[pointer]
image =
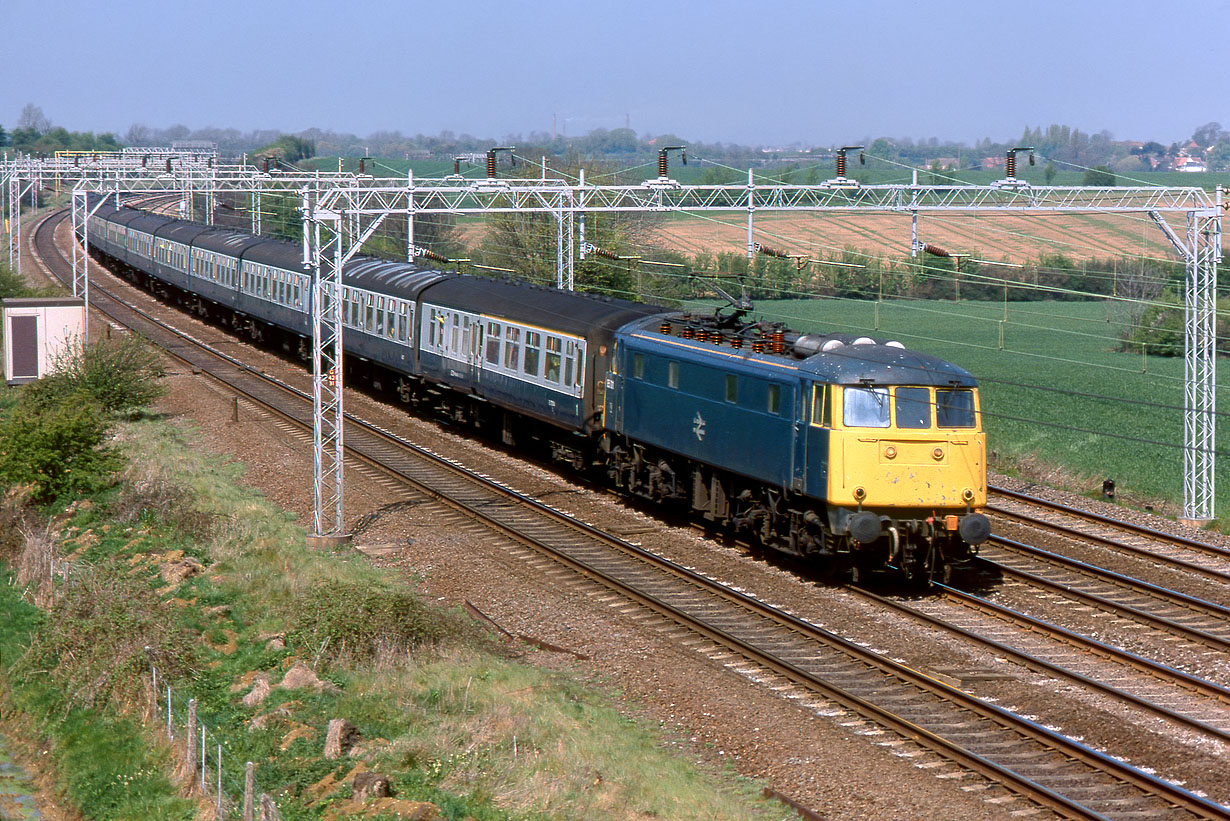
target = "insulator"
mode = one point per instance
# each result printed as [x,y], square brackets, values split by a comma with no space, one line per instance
[689,332]
[684,154]
[1010,165]
[935,250]
[662,163]
[362,165]
[779,341]
[144,160]
[168,165]
[1031,158]
[76,161]
[862,158]
[716,338]
[265,165]
[602,252]
[665,328]
[736,342]
[757,346]
[457,165]
[771,252]
[841,163]
[490,165]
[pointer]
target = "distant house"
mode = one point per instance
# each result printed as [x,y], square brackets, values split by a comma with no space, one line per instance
[1189,164]
[991,163]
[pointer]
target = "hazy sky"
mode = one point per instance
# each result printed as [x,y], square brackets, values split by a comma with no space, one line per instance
[769,72]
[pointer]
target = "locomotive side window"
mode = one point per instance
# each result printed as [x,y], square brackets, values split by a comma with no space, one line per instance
[672,374]
[533,343]
[638,365]
[913,407]
[954,408]
[865,407]
[732,388]
[818,416]
[775,398]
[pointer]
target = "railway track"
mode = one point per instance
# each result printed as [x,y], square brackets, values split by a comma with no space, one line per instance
[1184,554]
[1041,764]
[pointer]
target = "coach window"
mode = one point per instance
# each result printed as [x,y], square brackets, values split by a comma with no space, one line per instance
[379,324]
[954,408]
[638,365]
[493,343]
[912,407]
[775,399]
[533,350]
[865,407]
[570,357]
[553,359]
[512,347]
[672,374]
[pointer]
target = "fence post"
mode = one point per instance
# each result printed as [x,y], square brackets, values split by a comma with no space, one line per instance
[203,786]
[218,762]
[191,740]
[249,791]
[170,730]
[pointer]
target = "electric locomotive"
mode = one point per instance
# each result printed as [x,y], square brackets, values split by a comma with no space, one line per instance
[848,451]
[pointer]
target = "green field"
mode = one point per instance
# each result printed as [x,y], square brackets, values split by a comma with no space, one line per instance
[1056,395]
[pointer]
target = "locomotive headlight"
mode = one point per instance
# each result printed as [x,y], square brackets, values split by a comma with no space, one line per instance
[890,452]
[937,454]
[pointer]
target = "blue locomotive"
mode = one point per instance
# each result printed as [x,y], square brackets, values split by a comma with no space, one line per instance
[845,450]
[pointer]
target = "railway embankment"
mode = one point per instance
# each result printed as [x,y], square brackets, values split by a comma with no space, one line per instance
[152,556]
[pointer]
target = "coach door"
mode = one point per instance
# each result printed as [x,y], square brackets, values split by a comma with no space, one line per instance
[474,350]
[811,445]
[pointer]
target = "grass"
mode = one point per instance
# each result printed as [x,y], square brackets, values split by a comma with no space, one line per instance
[1058,393]
[442,710]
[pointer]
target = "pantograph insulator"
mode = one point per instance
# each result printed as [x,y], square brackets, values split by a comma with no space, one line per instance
[935,250]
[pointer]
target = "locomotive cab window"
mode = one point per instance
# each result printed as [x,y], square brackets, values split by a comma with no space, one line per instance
[955,408]
[672,374]
[732,388]
[775,398]
[865,407]
[638,365]
[912,407]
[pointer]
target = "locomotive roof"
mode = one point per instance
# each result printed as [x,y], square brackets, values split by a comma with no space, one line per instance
[880,364]
[566,311]
[856,361]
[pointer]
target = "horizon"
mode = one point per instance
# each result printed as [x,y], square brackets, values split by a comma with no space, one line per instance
[786,73]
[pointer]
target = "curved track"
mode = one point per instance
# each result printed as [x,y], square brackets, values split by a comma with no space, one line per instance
[1071,778]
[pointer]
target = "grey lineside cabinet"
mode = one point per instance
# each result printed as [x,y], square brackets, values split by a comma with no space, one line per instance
[37,330]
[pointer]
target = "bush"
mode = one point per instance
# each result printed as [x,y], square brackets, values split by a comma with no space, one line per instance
[102,634]
[53,442]
[122,374]
[359,621]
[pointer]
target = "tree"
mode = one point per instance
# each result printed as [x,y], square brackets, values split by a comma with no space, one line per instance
[1208,134]
[33,119]
[1099,176]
